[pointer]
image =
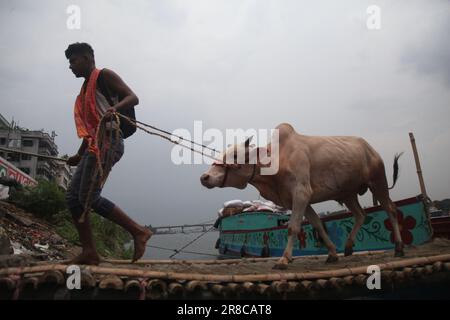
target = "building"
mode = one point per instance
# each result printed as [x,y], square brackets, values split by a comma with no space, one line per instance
[63,175]
[10,174]
[36,141]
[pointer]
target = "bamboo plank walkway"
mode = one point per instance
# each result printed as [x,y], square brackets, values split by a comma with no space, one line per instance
[305,278]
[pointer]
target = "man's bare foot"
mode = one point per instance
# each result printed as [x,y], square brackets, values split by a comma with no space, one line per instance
[89,258]
[140,242]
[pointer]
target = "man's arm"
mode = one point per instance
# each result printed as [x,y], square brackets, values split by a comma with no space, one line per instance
[74,160]
[83,147]
[127,97]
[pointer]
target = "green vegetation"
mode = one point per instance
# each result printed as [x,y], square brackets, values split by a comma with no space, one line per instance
[47,201]
[44,201]
[110,238]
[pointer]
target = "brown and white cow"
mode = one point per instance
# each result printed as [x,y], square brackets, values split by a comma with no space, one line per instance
[312,169]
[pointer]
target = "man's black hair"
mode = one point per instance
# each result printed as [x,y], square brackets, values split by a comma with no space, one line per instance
[79,48]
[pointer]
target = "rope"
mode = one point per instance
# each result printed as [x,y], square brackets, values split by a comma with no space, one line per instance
[175,250]
[103,168]
[188,244]
[104,160]
[190,252]
[209,221]
[32,154]
[136,124]
[166,132]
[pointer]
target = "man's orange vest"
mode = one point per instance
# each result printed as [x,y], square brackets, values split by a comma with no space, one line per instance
[85,112]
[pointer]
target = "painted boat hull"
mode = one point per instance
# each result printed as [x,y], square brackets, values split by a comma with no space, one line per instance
[441,227]
[264,234]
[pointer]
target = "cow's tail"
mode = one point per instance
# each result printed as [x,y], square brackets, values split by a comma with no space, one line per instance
[397,156]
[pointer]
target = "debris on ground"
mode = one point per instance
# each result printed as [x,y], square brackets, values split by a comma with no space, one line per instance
[30,236]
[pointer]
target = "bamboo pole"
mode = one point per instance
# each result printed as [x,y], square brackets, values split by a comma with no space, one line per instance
[294,287]
[428,269]
[195,286]
[387,277]
[419,169]
[400,276]
[87,279]
[264,289]
[360,279]
[249,287]
[280,286]
[220,290]
[55,276]
[336,283]
[418,272]
[32,282]
[32,154]
[236,289]
[423,190]
[8,282]
[198,279]
[175,289]
[111,281]
[348,280]
[437,266]
[307,285]
[408,272]
[224,261]
[156,289]
[131,285]
[322,283]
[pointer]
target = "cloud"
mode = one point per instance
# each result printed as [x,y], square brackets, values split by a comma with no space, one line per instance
[429,54]
[236,64]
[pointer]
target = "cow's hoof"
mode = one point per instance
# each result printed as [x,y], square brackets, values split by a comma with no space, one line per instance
[332,259]
[348,251]
[399,253]
[280,266]
[399,250]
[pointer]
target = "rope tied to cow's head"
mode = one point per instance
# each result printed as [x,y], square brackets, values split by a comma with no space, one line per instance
[106,148]
[104,157]
[168,136]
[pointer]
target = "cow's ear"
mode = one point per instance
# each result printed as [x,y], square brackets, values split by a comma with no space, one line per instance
[247,142]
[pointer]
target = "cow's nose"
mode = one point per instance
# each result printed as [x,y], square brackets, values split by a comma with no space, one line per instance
[204,177]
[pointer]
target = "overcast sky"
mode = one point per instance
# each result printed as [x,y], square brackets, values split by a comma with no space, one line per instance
[238,64]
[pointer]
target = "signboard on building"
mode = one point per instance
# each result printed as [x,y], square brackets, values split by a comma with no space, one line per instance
[9,170]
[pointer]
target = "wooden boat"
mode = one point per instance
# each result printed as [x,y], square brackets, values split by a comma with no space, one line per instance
[264,234]
[441,226]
